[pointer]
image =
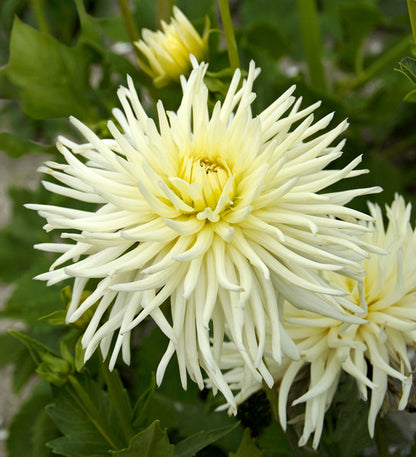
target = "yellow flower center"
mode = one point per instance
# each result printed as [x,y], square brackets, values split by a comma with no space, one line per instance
[209,184]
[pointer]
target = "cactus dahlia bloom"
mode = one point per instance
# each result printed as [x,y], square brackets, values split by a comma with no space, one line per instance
[217,212]
[167,53]
[329,346]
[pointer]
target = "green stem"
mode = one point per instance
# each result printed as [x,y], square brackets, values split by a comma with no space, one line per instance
[392,55]
[129,22]
[116,394]
[312,42]
[380,439]
[89,409]
[273,398]
[411,5]
[39,9]
[227,25]
[163,10]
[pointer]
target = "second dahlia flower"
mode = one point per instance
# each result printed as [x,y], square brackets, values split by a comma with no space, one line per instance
[166,53]
[218,212]
[329,346]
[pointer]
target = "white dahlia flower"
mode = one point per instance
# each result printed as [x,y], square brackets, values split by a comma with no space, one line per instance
[166,53]
[217,212]
[330,346]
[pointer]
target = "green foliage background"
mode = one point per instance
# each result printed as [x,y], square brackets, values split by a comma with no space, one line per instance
[61,58]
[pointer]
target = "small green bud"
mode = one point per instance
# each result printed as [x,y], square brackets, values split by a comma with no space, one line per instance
[54,370]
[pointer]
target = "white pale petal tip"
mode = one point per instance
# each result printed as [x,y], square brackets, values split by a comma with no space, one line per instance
[74,120]
[32,206]
[194,61]
[302,441]
[61,139]
[69,320]
[40,277]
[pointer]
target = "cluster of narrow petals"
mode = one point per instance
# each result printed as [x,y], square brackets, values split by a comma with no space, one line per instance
[329,347]
[220,212]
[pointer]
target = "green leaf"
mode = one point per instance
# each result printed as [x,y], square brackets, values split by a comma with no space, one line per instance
[17,240]
[141,407]
[176,408]
[36,348]
[410,96]
[24,368]
[83,412]
[274,443]
[120,400]
[152,442]
[8,349]
[52,77]
[32,299]
[191,445]
[15,146]
[407,66]
[44,430]
[30,428]
[247,447]
[347,416]
[54,318]
[79,355]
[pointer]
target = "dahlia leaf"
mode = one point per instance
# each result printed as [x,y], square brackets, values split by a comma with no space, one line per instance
[8,349]
[30,301]
[274,443]
[85,415]
[152,442]
[194,443]
[16,146]
[410,96]
[30,428]
[23,369]
[142,404]
[53,77]
[407,66]
[36,348]
[17,239]
[247,447]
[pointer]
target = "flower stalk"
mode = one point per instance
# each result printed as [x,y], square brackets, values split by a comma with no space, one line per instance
[386,58]
[39,10]
[128,21]
[411,5]
[312,42]
[227,25]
